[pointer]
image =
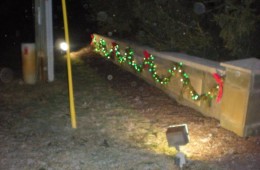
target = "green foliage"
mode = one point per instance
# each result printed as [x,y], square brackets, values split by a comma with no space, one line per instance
[170,25]
[224,29]
[237,24]
[112,16]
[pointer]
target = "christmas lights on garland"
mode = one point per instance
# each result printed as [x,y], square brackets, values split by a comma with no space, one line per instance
[148,64]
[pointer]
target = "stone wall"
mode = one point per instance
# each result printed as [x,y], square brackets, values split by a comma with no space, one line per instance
[238,108]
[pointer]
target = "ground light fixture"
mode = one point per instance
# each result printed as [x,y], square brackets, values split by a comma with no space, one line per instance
[178,135]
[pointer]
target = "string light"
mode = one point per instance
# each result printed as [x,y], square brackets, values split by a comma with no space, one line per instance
[149,64]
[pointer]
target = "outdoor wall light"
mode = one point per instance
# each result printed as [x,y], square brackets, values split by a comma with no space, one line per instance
[63,46]
[178,135]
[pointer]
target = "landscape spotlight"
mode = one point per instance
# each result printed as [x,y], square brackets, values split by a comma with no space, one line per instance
[178,135]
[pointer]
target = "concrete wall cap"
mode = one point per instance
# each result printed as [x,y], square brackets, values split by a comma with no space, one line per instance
[249,65]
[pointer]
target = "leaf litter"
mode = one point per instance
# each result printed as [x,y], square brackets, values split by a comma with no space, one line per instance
[121,121]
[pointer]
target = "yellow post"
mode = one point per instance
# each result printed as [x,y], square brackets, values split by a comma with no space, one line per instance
[71,95]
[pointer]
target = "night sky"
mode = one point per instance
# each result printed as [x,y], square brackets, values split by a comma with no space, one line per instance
[17,26]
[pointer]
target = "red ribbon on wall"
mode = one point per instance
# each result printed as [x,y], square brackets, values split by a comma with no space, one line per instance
[219,80]
[146,56]
[114,44]
[92,39]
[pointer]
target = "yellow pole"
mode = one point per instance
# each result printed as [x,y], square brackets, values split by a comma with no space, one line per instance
[71,95]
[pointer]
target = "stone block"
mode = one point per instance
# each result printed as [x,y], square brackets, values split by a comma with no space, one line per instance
[253,114]
[238,78]
[256,83]
[240,105]
[234,107]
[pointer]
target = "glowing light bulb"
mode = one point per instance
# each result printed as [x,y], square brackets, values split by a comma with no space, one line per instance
[64,46]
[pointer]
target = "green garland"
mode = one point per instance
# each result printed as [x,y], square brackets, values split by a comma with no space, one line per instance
[149,64]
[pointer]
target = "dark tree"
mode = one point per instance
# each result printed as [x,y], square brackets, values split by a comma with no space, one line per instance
[214,29]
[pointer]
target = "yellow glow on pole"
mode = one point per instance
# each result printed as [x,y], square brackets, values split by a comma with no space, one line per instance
[71,95]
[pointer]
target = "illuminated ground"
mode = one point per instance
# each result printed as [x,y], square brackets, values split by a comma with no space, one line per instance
[121,125]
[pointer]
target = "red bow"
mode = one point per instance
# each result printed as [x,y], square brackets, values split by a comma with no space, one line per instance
[219,80]
[114,44]
[146,54]
[92,39]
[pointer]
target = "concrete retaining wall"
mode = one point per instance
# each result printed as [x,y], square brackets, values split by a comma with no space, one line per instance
[242,90]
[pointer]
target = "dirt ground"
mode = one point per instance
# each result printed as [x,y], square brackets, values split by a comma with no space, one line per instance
[121,122]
